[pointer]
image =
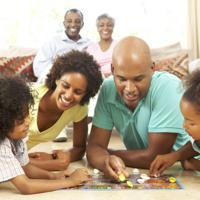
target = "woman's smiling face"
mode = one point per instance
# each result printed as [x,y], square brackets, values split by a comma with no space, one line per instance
[70,90]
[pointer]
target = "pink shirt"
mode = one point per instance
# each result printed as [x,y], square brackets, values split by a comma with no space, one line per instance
[104,58]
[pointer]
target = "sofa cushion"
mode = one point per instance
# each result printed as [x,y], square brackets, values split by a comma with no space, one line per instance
[20,65]
[172,59]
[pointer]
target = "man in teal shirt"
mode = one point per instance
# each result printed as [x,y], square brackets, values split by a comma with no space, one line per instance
[144,108]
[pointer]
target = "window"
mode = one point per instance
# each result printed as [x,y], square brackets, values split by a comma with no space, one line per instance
[29,23]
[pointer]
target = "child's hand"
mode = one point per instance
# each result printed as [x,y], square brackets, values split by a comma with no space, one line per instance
[61,174]
[114,166]
[191,164]
[187,165]
[40,156]
[79,176]
[160,163]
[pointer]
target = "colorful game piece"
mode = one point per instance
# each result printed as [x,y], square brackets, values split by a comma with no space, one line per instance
[135,171]
[122,177]
[96,174]
[96,171]
[140,181]
[155,175]
[129,183]
[104,187]
[172,180]
[144,176]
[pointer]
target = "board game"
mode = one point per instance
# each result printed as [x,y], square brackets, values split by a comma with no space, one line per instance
[99,182]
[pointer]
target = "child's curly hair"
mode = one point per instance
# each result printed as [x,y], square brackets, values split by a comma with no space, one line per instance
[80,62]
[15,100]
[192,85]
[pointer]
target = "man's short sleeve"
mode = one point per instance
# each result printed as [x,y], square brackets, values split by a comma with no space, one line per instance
[166,115]
[102,116]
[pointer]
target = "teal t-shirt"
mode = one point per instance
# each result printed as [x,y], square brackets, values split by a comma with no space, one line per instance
[158,112]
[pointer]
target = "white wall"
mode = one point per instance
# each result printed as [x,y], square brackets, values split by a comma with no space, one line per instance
[29,22]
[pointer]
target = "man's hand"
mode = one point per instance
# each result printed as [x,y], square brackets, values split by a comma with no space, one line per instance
[160,163]
[114,166]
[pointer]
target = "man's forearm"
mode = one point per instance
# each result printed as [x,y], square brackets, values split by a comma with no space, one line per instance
[134,158]
[143,158]
[96,156]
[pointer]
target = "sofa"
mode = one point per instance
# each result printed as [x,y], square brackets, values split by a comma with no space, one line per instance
[172,58]
[19,61]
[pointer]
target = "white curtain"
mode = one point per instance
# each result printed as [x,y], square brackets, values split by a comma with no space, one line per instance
[194,27]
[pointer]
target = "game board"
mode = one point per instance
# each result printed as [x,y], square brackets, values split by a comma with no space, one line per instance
[99,182]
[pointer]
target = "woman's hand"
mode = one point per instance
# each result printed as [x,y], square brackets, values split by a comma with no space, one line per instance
[63,156]
[40,156]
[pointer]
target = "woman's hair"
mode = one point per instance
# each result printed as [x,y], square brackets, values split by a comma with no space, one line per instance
[15,100]
[192,85]
[78,62]
[105,16]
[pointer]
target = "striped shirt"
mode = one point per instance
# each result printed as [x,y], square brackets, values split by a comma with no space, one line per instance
[195,146]
[13,155]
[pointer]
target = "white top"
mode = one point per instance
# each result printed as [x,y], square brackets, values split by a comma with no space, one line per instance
[13,155]
[57,45]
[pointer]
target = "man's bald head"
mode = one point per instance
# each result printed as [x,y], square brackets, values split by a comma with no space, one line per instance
[132,70]
[131,49]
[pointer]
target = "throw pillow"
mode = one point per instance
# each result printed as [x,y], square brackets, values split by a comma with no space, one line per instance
[20,65]
[172,59]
